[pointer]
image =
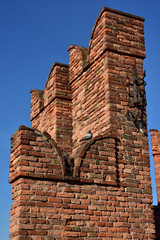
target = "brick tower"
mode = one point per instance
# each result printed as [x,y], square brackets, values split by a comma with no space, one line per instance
[155,138]
[64,188]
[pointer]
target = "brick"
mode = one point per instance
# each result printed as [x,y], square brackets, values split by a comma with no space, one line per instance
[98,189]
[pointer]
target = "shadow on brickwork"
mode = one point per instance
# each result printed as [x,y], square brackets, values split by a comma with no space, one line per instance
[96,161]
[157,221]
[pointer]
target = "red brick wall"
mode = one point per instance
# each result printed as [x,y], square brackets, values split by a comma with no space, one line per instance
[51,109]
[98,77]
[99,189]
[105,200]
[155,139]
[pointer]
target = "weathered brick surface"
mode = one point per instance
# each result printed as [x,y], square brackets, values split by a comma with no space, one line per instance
[155,137]
[117,31]
[99,189]
[100,76]
[51,109]
[35,155]
[155,140]
[62,210]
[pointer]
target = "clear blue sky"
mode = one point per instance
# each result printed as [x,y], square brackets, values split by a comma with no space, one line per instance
[36,33]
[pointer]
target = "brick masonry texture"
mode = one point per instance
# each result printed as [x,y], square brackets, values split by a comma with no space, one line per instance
[97,189]
[155,139]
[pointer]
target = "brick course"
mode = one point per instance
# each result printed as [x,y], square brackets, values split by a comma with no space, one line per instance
[155,139]
[101,188]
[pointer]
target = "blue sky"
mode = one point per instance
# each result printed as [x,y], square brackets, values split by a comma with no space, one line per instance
[36,33]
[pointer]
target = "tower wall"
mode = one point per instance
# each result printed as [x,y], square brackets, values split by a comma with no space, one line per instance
[51,108]
[101,188]
[155,140]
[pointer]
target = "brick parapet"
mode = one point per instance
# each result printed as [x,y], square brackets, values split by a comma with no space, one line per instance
[117,32]
[155,137]
[109,62]
[99,189]
[55,116]
[33,155]
[37,102]
[36,155]
[155,140]
[57,85]
[73,210]
[43,188]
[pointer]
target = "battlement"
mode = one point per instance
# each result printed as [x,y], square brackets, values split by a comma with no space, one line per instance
[51,108]
[64,188]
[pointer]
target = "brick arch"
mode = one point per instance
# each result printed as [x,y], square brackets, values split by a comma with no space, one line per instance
[35,155]
[48,137]
[96,160]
